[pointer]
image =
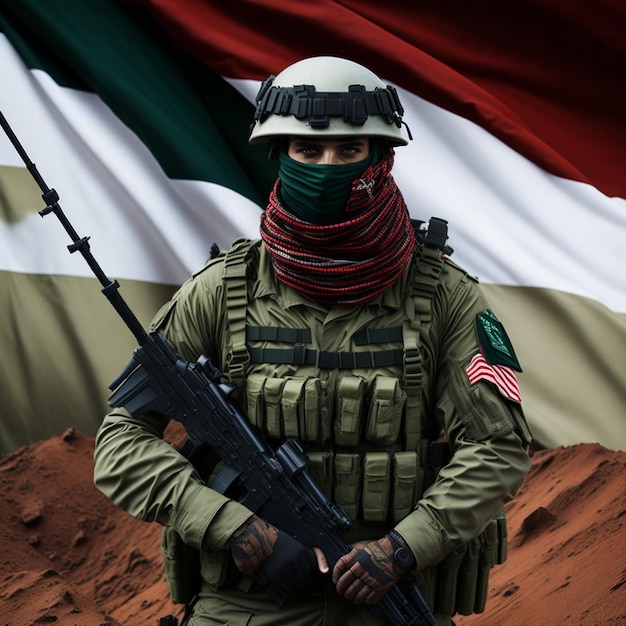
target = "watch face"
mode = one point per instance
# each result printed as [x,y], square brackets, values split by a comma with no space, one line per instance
[404,557]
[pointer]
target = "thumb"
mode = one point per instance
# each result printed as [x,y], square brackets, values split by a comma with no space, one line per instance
[322,561]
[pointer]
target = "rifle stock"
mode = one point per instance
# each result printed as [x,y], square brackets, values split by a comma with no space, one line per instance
[275,484]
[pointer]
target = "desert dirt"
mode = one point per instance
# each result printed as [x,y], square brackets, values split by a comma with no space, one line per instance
[71,558]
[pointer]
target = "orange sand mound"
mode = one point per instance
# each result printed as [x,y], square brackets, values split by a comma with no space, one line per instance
[71,558]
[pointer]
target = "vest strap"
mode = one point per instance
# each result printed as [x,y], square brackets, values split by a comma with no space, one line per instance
[275,333]
[299,355]
[235,283]
[428,265]
[378,335]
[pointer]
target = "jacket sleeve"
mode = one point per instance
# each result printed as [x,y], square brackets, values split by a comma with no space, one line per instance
[143,474]
[487,434]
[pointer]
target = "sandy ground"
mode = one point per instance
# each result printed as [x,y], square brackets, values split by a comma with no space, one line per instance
[71,558]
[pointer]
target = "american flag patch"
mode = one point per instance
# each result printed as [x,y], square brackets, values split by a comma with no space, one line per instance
[501,376]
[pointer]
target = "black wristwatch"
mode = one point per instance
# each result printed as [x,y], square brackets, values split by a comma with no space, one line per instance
[402,554]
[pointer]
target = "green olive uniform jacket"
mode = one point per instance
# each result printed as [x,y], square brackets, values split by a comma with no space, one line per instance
[403,428]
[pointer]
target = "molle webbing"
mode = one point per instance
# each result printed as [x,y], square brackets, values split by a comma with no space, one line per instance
[235,284]
[303,335]
[276,333]
[427,276]
[419,314]
[300,355]
[304,102]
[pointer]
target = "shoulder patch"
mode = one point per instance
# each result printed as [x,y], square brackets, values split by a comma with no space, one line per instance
[494,342]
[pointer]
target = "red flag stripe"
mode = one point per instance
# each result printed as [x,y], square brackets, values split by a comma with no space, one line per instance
[527,72]
[502,377]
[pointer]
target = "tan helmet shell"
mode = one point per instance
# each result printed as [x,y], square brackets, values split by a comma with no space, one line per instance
[326,74]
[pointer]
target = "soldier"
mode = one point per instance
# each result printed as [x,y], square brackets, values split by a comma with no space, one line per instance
[347,326]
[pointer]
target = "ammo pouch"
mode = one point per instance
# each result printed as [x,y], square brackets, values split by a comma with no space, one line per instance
[379,485]
[370,486]
[182,566]
[459,583]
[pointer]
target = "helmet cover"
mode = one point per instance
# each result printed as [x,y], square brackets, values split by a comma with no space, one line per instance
[327,97]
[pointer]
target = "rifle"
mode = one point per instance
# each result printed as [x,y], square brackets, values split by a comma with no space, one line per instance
[273,483]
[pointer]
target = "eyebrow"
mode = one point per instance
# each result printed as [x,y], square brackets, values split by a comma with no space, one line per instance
[340,142]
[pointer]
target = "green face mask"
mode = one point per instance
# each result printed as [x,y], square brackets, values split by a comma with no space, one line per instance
[317,193]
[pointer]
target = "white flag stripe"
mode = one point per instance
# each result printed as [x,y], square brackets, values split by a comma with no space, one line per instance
[499,374]
[503,377]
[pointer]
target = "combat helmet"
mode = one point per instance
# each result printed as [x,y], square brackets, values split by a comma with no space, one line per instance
[327,96]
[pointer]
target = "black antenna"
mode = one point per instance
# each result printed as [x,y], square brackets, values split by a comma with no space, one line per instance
[80,244]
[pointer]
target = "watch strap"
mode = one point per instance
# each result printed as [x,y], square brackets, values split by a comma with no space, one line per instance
[402,554]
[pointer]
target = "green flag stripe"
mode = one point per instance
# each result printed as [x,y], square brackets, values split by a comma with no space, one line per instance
[193,122]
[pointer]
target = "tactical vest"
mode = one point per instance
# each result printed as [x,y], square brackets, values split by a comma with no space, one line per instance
[375,481]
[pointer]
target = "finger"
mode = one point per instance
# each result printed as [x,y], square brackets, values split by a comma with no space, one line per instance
[348,584]
[366,595]
[358,591]
[341,567]
[338,571]
[322,561]
[348,589]
[374,595]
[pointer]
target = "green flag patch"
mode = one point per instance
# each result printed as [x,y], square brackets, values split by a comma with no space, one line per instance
[494,342]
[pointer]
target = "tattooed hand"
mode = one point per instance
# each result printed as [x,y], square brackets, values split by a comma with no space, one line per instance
[366,573]
[252,543]
[278,561]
